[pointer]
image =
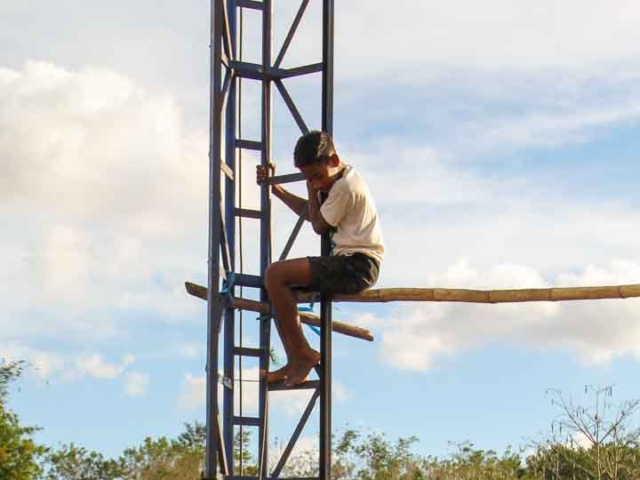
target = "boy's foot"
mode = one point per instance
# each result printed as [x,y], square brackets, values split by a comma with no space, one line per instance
[301,367]
[277,375]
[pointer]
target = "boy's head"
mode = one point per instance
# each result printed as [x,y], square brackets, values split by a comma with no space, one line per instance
[317,159]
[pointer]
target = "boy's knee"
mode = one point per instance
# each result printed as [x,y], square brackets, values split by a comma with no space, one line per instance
[272,276]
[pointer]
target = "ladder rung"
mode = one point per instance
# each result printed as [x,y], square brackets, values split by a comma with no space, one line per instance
[247,421]
[254,71]
[248,352]
[250,4]
[247,213]
[308,385]
[248,144]
[244,280]
[290,177]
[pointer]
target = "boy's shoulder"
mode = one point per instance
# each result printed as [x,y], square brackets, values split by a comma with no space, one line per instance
[352,181]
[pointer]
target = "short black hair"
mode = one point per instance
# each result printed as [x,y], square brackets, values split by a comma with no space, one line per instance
[313,147]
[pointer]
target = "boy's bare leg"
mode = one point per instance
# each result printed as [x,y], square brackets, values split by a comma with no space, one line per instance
[280,374]
[278,280]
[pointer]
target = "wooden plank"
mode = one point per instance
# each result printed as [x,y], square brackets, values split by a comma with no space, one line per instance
[305,317]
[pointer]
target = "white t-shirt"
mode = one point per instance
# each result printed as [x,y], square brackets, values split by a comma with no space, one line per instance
[350,209]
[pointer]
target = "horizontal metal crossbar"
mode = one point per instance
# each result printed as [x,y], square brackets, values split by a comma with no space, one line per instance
[256,71]
[308,385]
[248,352]
[247,213]
[298,71]
[248,144]
[247,69]
[291,177]
[252,4]
[245,280]
[246,421]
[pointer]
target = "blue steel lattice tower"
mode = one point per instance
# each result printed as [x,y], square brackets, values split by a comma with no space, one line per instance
[227,71]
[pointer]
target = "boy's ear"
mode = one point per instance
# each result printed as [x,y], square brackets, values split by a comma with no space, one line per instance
[334,160]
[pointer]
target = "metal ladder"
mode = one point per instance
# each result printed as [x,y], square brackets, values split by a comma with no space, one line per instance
[227,70]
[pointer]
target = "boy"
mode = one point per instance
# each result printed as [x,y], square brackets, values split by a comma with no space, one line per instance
[350,215]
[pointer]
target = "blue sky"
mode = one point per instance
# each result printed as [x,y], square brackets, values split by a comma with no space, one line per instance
[500,142]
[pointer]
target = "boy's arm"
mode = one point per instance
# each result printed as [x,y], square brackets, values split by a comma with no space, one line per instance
[308,209]
[295,203]
[320,226]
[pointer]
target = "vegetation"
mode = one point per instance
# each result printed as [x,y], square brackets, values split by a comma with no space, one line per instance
[598,441]
[19,454]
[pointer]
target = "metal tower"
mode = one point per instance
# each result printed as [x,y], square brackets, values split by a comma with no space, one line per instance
[225,147]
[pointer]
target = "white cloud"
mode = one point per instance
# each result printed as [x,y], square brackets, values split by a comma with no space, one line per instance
[553,127]
[494,35]
[425,175]
[190,350]
[368,320]
[250,393]
[551,238]
[193,393]
[303,458]
[581,440]
[436,210]
[103,186]
[490,35]
[47,366]
[340,391]
[421,336]
[292,402]
[97,367]
[43,364]
[136,384]
[94,144]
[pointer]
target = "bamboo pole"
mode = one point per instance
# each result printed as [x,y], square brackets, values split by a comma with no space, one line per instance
[489,296]
[440,295]
[305,317]
[486,296]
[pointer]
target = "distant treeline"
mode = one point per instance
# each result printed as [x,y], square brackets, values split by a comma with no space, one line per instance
[594,442]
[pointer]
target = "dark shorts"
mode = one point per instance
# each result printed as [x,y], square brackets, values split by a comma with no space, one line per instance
[343,273]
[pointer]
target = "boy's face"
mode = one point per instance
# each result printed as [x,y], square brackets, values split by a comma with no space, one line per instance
[322,175]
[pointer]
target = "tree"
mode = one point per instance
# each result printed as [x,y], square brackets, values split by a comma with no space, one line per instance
[598,441]
[19,453]
[194,436]
[373,457]
[244,462]
[162,459]
[76,463]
